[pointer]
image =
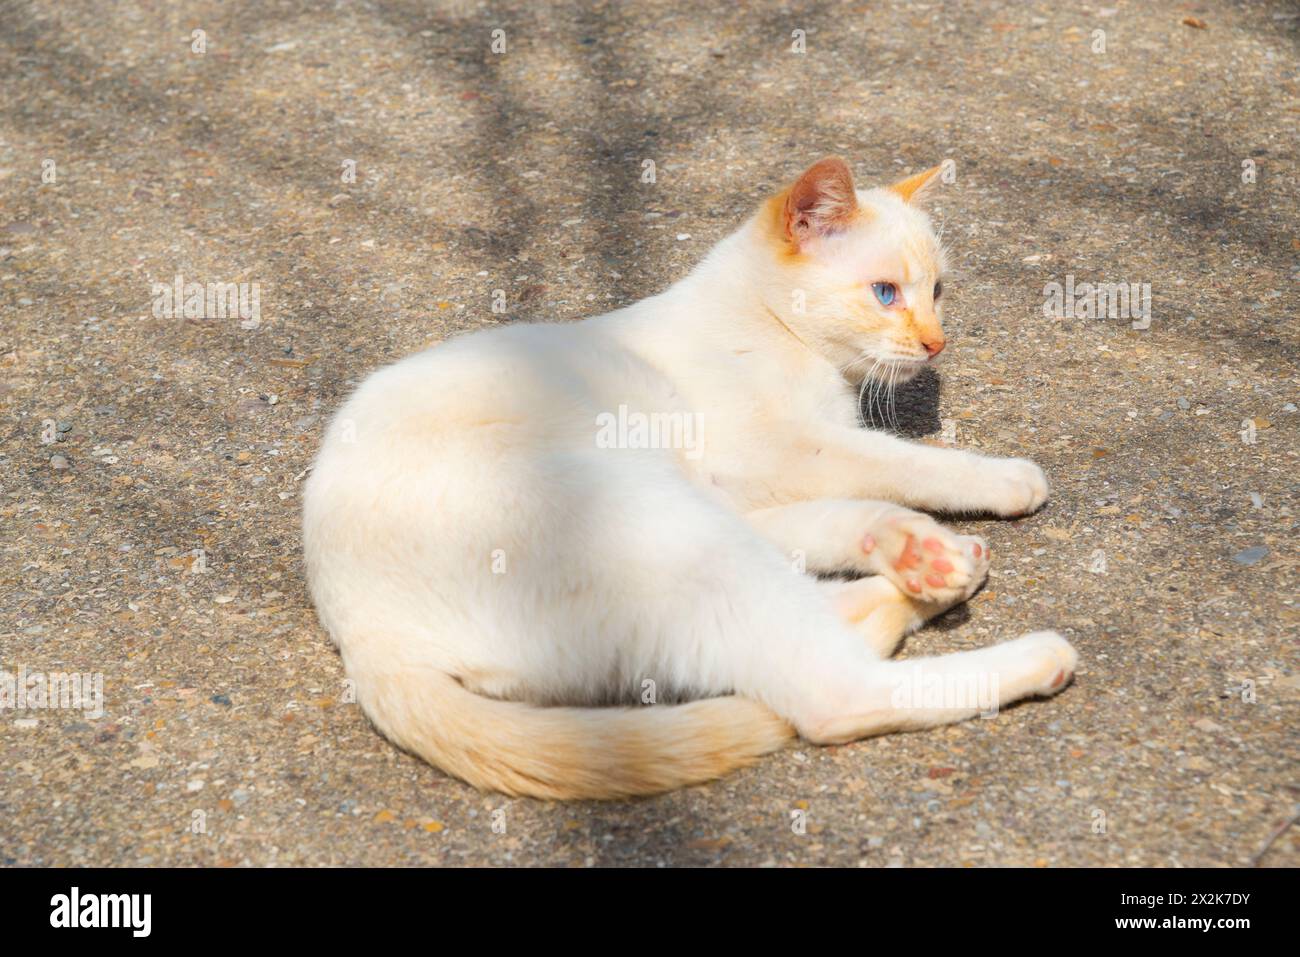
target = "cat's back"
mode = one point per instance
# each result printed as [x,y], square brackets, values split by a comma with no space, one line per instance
[525,386]
[479,441]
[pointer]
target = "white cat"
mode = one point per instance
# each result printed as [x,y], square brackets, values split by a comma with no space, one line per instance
[530,541]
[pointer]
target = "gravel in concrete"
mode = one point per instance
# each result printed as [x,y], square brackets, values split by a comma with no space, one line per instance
[378,171]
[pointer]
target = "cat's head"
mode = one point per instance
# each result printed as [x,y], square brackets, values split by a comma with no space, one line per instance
[857,274]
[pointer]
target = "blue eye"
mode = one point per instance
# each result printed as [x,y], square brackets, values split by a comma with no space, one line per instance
[885,292]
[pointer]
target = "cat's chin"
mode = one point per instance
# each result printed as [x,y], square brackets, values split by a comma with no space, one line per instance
[896,371]
[907,371]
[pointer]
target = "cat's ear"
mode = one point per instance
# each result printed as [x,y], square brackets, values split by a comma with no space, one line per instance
[916,189]
[821,201]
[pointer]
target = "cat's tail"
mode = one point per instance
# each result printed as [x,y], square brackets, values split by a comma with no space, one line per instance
[562,752]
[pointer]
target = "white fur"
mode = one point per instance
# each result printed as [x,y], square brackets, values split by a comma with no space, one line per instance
[461,519]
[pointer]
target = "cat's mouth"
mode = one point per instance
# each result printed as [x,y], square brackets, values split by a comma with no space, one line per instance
[880,371]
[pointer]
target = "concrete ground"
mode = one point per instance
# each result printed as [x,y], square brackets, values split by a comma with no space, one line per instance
[151,462]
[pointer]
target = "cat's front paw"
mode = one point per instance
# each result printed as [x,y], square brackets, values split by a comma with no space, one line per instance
[1012,487]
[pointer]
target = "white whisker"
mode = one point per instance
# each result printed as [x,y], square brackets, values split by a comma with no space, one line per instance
[878,392]
[893,416]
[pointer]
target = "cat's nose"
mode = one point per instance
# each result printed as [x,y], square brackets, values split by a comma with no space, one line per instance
[933,346]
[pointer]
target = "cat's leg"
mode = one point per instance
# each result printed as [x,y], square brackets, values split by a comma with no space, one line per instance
[856,463]
[908,694]
[920,556]
[691,596]
[829,679]
[881,613]
[813,652]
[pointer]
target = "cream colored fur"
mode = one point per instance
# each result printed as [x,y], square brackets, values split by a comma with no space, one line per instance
[509,593]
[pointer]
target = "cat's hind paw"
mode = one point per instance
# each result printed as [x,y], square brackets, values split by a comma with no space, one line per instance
[1054,661]
[925,560]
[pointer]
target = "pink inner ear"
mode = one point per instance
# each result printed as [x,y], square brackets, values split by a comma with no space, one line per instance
[916,186]
[822,200]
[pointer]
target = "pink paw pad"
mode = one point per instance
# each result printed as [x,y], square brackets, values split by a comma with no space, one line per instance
[910,557]
[924,559]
